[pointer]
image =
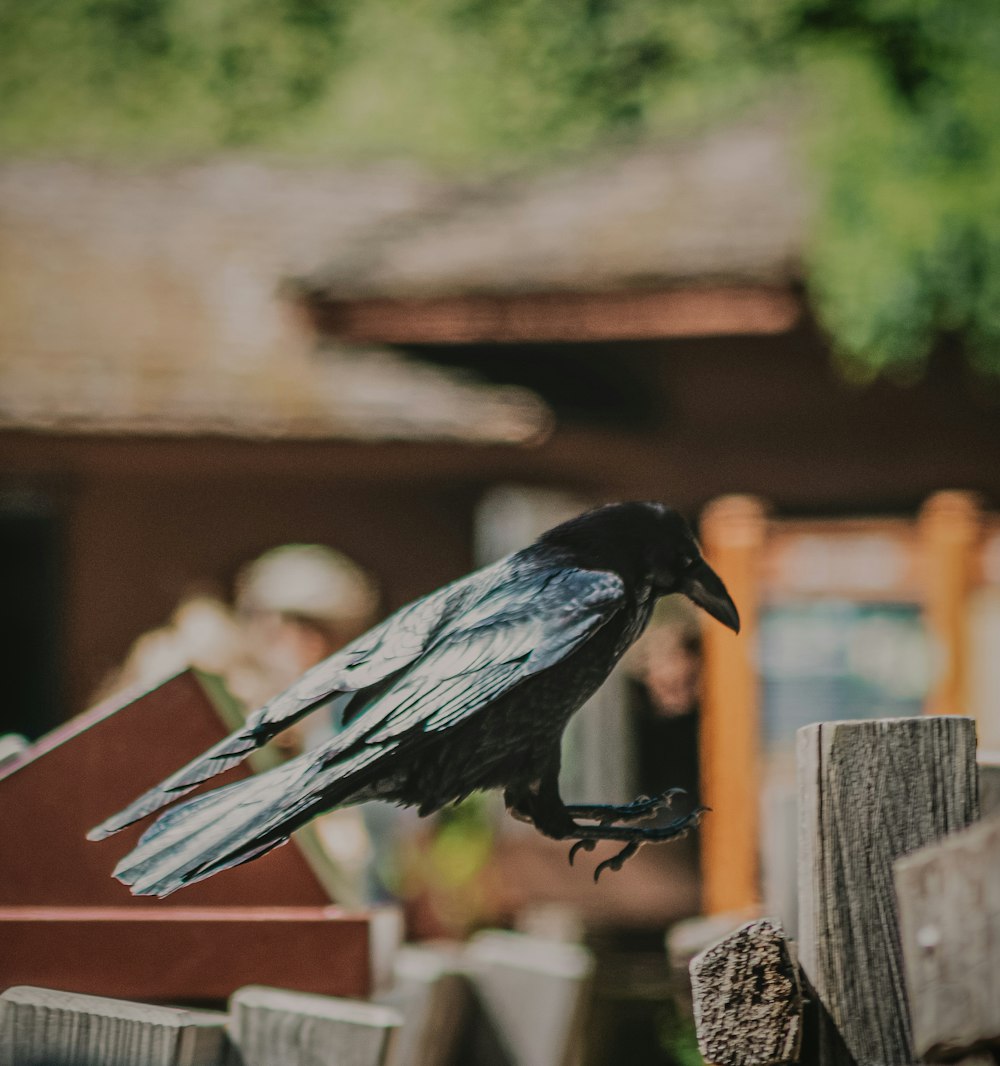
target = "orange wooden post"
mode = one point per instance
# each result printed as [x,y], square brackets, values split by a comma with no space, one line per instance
[950,527]
[733,530]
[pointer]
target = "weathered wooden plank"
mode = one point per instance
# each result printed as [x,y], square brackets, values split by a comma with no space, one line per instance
[869,792]
[691,937]
[435,1001]
[43,1027]
[271,1025]
[949,922]
[989,782]
[747,998]
[533,992]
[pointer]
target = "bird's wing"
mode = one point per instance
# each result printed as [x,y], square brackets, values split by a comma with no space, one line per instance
[367,661]
[509,632]
[516,631]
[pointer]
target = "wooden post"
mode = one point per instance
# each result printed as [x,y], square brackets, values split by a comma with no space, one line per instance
[869,791]
[435,1001]
[534,993]
[43,1027]
[272,1025]
[950,524]
[747,998]
[691,937]
[732,529]
[989,782]
[949,920]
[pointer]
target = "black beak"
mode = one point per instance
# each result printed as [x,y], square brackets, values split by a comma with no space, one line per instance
[703,586]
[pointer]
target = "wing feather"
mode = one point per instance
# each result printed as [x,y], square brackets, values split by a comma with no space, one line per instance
[376,655]
[509,633]
[506,638]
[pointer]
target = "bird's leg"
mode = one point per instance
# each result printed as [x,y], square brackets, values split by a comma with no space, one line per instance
[634,836]
[637,810]
[541,804]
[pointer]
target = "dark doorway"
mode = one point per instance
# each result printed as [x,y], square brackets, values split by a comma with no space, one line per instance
[29,613]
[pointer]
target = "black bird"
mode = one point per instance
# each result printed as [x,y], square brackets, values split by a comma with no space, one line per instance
[468,688]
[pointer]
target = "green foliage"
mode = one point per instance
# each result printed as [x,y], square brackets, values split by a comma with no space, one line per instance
[679,1037]
[907,243]
[155,77]
[900,112]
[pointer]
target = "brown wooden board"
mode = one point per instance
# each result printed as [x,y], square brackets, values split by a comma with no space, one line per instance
[66,923]
[186,954]
[560,316]
[76,776]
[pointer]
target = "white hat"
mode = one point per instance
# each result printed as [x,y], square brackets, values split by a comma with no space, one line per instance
[311,581]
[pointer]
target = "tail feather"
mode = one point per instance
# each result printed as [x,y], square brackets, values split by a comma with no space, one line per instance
[227,753]
[239,822]
[211,833]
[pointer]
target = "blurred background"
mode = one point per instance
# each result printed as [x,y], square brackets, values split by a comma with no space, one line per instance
[310,306]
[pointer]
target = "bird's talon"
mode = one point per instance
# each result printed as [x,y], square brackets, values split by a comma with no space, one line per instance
[608,864]
[616,862]
[671,794]
[580,845]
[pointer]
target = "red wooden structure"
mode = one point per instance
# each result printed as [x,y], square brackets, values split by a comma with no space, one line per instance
[66,923]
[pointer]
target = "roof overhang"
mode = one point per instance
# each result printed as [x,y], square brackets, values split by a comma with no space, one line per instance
[555,317]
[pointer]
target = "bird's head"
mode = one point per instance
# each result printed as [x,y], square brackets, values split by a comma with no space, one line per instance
[676,564]
[647,542]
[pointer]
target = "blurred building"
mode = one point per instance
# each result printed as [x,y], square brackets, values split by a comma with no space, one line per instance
[201,362]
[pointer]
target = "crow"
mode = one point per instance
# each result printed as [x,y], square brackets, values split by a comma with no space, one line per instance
[468,688]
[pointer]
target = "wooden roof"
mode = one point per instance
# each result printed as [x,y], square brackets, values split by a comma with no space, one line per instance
[348,395]
[145,301]
[691,238]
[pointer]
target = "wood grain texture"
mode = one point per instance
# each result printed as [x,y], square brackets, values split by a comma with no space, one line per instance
[869,792]
[747,998]
[691,937]
[271,1026]
[949,921]
[43,1027]
[989,783]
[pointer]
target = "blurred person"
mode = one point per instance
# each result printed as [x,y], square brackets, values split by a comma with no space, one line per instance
[201,633]
[296,605]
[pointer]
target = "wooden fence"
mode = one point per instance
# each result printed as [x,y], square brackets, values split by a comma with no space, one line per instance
[502,999]
[898,955]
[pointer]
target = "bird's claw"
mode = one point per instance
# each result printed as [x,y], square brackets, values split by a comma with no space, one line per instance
[581,845]
[639,809]
[616,862]
[644,807]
